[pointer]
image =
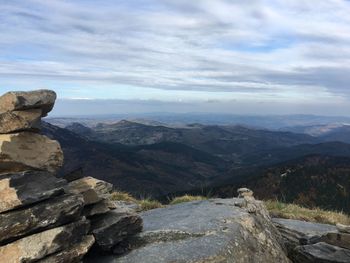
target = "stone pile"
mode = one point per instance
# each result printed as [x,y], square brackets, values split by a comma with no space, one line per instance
[44,218]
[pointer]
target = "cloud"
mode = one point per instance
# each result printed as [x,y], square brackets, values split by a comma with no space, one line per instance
[279,48]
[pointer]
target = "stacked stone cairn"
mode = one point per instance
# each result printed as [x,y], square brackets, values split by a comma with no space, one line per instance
[44,218]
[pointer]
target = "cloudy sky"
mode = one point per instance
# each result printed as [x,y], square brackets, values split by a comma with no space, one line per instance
[254,56]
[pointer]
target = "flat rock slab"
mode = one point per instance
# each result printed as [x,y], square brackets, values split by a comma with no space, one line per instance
[22,100]
[99,208]
[37,246]
[28,151]
[321,253]
[92,189]
[73,254]
[50,213]
[305,228]
[113,227]
[14,121]
[25,188]
[202,231]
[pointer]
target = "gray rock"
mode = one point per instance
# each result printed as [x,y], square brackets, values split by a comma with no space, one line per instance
[21,100]
[14,121]
[343,228]
[295,232]
[73,254]
[114,227]
[37,246]
[202,231]
[49,213]
[336,239]
[25,188]
[99,208]
[320,253]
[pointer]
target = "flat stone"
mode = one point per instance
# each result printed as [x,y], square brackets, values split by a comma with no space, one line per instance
[343,228]
[99,208]
[25,188]
[92,189]
[320,253]
[72,254]
[37,246]
[212,231]
[28,151]
[50,213]
[114,227]
[22,100]
[337,239]
[14,121]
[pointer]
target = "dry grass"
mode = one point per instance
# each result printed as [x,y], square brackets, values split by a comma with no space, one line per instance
[148,204]
[144,204]
[293,211]
[122,196]
[186,198]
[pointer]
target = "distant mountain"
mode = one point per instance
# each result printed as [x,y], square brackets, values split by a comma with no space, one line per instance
[228,142]
[151,170]
[311,181]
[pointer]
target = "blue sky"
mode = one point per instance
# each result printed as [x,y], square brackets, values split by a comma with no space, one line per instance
[290,55]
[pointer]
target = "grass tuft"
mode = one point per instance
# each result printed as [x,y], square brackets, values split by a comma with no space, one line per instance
[186,198]
[122,196]
[293,211]
[148,204]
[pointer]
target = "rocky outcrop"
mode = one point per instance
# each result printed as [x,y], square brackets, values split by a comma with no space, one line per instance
[14,121]
[202,231]
[308,242]
[21,100]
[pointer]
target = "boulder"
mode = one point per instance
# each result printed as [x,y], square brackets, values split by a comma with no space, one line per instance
[320,253]
[212,230]
[114,227]
[21,100]
[14,121]
[50,213]
[25,188]
[343,228]
[27,151]
[73,254]
[92,189]
[37,246]
[101,207]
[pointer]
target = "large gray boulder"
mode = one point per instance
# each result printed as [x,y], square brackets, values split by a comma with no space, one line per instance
[29,151]
[13,121]
[25,188]
[203,231]
[22,100]
[47,214]
[37,246]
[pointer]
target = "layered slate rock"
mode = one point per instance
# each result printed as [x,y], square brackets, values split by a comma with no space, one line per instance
[113,227]
[37,246]
[320,253]
[73,254]
[99,208]
[92,189]
[14,121]
[343,228]
[50,213]
[202,231]
[336,239]
[21,100]
[25,188]
[27,150]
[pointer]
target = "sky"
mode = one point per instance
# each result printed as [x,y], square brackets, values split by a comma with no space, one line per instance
[231,56]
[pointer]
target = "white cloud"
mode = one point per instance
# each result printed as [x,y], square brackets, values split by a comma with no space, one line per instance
[262,48]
